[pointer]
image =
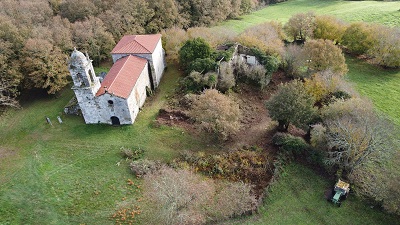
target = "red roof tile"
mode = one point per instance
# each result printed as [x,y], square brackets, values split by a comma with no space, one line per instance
[123,76]
[137,44]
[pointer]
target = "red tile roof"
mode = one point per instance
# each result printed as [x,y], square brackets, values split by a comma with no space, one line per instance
[122,77]
[137,44]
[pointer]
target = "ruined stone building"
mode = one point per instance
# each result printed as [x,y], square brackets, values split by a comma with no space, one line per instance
[139,62]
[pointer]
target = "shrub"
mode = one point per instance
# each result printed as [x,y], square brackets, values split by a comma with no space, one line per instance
[249,166]
[267,37]
[201,65]
[176,197]
[226,79]
[324,86]
[135,154]
[196,82]
[216,113]
[386,51]
[294,61]
[194,49]
[142,167]
[324,55]
[232,199]
[183,197]
[256,74]
[270,62]
[358,38]
[290,144]
[329,28]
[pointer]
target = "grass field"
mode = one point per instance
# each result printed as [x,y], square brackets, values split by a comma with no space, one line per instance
[369,11]
[298,198]
[382,86]
[68,173]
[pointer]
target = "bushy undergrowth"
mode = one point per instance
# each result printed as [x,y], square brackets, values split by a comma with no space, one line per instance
[296,147]
[183,197]
[142,167]
[242,165]
[132,154]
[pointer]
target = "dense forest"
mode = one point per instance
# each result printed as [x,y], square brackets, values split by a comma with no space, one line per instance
[37,36]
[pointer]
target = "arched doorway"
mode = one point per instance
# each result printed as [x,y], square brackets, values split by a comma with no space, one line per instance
[115,120]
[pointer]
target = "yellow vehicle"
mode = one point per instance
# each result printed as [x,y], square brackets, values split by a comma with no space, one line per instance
[340,192]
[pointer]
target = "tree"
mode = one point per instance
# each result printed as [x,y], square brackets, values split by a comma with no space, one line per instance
[127,17]
[300,26]
[173,39]
[358,38]
[291,104]
[324,55]
[322,84]
[266,37]
[166,15]
[386,50]
[216,113]
[92,36]
[194,49]
[77,10]
[329,28]
[44,65]
[354,133]
[10,78]
[26,13]
[294,61]
[214,37]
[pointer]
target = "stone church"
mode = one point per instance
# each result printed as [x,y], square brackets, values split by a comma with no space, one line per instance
[139,62]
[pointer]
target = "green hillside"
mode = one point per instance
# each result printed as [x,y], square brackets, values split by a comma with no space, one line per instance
[369,11]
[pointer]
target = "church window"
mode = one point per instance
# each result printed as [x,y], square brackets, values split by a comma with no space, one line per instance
[110,102]
[80,78]
[91,76]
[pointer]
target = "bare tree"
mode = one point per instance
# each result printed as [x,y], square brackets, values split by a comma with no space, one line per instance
[177,197]
[183,197]
[7,94]
[354,133]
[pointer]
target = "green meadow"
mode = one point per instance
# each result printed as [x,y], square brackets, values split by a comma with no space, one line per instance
[298,198]
[387,13]
[73,173]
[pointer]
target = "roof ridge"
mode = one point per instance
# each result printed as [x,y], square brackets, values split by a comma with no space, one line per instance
[124,63]
[140,43]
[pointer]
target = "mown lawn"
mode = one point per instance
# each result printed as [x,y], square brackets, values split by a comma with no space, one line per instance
[68,173]
[369,11]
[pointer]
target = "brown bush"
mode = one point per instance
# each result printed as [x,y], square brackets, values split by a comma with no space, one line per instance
[183,197]
[216,113]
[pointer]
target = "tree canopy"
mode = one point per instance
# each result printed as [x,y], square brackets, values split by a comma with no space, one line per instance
[291,104]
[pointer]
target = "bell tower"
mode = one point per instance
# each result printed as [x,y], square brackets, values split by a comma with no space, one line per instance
[82,72]
[86,85]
